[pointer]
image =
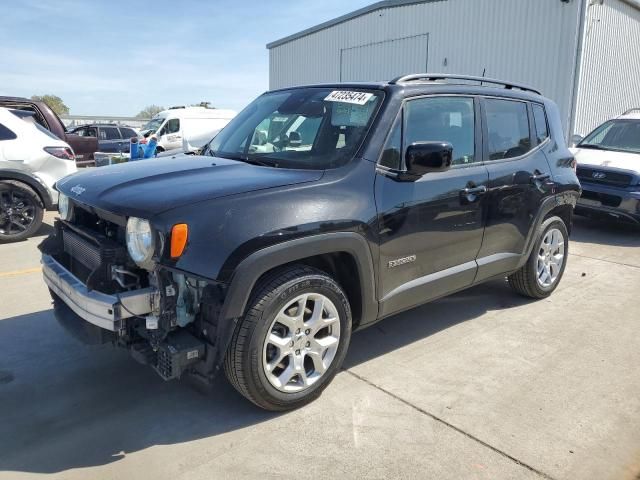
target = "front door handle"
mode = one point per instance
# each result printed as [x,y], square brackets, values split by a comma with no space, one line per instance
[472,194]
[481,190]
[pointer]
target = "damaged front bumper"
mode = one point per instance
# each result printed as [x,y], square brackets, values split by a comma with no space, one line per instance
[100,309]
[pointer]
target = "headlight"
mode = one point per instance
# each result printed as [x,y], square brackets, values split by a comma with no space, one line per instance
[140,242]
[63,206]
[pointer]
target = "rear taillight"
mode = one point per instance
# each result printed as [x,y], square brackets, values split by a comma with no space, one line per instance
[60,152]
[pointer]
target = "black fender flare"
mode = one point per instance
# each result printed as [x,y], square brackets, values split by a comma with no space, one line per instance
[548,205]
[258,263]
[33,182]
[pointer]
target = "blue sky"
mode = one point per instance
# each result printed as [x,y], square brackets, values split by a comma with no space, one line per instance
[112,57]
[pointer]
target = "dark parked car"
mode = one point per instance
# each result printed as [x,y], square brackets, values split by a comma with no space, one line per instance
[316,212]
[111,137]
[83,148]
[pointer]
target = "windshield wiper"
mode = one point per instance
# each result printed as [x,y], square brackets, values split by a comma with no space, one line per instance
[244,158]
[591,146]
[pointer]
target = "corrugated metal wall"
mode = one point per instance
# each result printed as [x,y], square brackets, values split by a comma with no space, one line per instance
[382,60]
[528,41]
[610,71]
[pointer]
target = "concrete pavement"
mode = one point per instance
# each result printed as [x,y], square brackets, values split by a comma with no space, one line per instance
[481,385]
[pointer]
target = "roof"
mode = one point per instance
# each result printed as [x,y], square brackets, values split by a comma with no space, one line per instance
[349,16]
[415,88]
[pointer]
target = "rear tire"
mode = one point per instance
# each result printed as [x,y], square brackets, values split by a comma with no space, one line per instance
[282,356]
[21,211]
[540,276]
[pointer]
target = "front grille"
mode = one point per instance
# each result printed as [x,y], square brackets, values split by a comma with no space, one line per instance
[81,250]
[604,198]
[604,177]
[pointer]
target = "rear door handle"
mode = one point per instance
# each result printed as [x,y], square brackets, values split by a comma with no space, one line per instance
[540,177]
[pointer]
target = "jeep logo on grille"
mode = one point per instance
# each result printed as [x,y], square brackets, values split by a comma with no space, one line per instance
[599,175]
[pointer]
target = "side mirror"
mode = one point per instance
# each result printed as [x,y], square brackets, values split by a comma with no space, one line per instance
[428,157]
[576,139]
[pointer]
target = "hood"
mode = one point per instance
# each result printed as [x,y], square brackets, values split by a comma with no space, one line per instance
[607,158]
[147,187]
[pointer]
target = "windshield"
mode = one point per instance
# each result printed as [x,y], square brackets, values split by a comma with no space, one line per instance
[619,135]
[315,128]
[152,124]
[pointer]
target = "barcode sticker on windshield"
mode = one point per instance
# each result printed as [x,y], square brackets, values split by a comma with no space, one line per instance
[357,98]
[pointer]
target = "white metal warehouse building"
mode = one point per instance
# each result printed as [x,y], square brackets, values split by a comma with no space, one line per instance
[584,54]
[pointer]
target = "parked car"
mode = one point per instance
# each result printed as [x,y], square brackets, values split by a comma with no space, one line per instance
[609,170]
[112,138]
[83,148]
[186,128]
[317,211]
[32,159]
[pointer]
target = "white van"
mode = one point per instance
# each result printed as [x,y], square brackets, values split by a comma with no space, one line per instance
[187,128]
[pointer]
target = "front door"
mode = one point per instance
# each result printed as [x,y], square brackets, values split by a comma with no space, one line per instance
[519,179]
[430,229]
[170,136]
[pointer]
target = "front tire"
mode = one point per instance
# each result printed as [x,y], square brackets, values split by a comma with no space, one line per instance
[292,340]
[540,276]
[21,211]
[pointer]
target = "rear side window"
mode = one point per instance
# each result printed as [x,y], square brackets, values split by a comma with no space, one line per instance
[443,119]
[127,132]
[540,117]
[392,153]
[508,128]
[6,134]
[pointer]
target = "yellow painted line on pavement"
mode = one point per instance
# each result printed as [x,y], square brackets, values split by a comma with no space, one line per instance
[15,273]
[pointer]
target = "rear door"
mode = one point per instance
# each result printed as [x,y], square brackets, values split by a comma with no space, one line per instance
[430,229]
[519,180]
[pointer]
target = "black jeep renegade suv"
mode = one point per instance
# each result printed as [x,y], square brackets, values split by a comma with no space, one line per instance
[316,212]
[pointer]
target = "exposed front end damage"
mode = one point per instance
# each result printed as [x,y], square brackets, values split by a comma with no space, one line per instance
[166,319]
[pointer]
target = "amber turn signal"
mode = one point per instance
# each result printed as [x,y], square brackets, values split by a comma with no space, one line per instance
[179,234]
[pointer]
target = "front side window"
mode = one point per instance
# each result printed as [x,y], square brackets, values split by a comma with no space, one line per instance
[540,117]
[619,135]
[172,126]
[127,132]
[443,119]
[508,128]
[315,128]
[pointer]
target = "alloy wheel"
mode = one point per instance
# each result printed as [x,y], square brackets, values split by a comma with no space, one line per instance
[301,342]
[550,259]
[17,212]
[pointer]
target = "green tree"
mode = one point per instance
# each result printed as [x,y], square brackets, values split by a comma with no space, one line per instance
[55,103]
[149,111]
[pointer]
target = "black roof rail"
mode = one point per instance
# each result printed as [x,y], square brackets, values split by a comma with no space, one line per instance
[432,77]
[631,110]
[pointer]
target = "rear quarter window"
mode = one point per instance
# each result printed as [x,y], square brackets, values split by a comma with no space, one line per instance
[540,118]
